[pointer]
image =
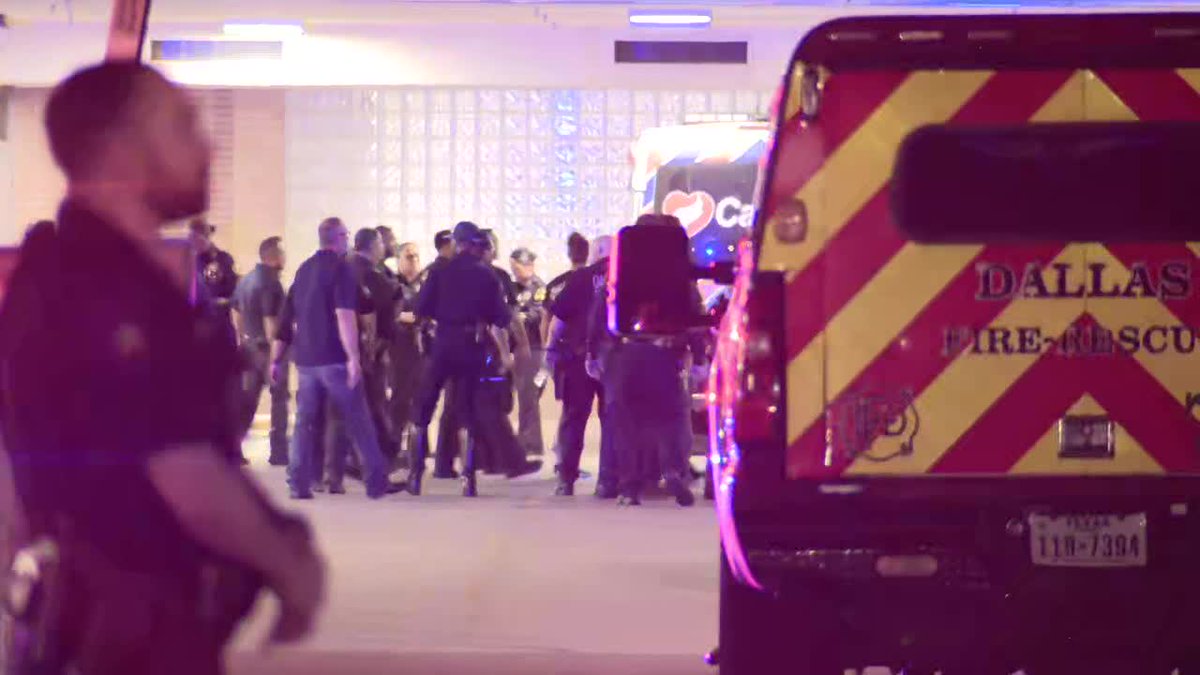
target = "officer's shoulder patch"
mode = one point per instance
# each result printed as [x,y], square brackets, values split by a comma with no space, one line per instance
[539,295]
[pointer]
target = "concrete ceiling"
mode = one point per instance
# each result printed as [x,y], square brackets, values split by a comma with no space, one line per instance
[563,12]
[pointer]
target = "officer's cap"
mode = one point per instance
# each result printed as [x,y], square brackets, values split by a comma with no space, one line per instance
[524,256]
[467,232]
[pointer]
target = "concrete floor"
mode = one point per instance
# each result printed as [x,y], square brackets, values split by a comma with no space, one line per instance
[517,581]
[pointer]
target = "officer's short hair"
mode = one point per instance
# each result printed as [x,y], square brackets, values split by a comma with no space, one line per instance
[365,238]
[577,249]
[86,108]
[268,246]
[327,231]
[656,219]
[442,239]
[385,231]
[492,242]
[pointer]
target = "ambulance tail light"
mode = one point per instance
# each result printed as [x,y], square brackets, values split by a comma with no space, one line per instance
[758,407]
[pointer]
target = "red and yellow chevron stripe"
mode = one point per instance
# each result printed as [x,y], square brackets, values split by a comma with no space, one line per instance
[867,310]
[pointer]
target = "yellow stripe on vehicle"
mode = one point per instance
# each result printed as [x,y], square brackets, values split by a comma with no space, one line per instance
[1175,371]
[972,383]
[1129,456]
[1191,76]
[1102,104]
[859,333]
[861,166]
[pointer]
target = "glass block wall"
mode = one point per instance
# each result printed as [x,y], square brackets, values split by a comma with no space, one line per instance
[534,164]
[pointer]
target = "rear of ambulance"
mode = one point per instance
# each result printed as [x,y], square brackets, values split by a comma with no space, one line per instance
[958,386]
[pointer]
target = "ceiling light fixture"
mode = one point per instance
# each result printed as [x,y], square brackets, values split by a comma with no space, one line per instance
[670,18]
[263,31]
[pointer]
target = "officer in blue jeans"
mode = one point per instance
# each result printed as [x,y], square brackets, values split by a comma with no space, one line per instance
[320,322]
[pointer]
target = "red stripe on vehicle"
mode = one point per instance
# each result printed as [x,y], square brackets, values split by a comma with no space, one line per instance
[916,358]
[1038,399]
[847,101]
[1154,95]
[870,239]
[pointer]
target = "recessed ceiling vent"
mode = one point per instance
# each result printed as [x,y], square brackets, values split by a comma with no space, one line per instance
[681,52]
[215,50]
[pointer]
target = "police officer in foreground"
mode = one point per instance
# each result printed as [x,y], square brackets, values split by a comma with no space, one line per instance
[217,276]
[579,390]
[161,541]
[528,373]
[465,299]
[257,303]
[650,403]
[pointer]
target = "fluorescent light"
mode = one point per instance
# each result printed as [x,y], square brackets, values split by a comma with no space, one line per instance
[670,18]
[264,31]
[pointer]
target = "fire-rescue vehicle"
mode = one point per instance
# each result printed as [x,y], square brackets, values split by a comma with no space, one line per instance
[954,404]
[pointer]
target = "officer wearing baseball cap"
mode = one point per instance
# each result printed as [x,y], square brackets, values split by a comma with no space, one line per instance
[466,301]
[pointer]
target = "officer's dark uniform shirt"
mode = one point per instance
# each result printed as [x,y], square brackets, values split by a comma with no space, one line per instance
[530,299]
[406,301]
[259,295]
[574,304]
[555,287]
[324,283]
[106,365]
[427,325]
[379,294]
[217,276]
[462,293]
[507,283]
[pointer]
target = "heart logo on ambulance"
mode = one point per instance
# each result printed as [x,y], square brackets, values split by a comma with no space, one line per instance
[695,210]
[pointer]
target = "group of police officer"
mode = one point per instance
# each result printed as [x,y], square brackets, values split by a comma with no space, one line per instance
[465,331]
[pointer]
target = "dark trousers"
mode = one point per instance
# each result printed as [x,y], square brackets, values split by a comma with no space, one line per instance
[454,366]
[579,393]
[449,447]
[648,410]
[254,380]
[529,402]
[405,368]
[497,447]
[375,385]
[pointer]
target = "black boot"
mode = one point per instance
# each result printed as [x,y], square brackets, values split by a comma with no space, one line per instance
[416,463]
[470,489]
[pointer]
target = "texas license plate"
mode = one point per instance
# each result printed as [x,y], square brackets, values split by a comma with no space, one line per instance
[1088,540]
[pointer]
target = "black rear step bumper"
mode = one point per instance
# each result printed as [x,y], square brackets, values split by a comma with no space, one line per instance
[817,558]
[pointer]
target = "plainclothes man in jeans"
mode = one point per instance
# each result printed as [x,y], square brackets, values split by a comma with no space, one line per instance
[320,322]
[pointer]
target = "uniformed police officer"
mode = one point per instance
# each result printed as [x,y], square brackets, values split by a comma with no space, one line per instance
[649,404]
[217,276]
[257,303]
[498,394]
[448,444]
[405,364]
[137,486]
[466,301]
[380,294]
[571,345]
[529,372]
[577,254]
